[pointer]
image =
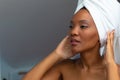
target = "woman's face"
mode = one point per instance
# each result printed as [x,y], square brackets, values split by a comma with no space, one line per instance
[83,32]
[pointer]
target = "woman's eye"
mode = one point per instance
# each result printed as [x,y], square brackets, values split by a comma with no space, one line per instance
[83,27]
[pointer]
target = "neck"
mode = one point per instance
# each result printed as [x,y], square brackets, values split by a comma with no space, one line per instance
[91,59]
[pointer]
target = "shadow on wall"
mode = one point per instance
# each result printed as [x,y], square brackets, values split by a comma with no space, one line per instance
[4,79]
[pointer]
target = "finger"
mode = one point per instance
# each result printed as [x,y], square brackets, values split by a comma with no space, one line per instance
[109,46]
[112,42]
[108,39]
[112,38]
[63,43]
[65,39]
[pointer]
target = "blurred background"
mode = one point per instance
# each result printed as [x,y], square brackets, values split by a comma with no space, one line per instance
[29,31]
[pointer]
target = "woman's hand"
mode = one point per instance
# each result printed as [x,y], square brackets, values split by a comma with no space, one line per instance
[64,48]
[109,55]
[111,67]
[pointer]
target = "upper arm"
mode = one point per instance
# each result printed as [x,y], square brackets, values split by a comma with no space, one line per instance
[53,74]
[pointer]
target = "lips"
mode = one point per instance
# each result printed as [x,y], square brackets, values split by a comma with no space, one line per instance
[74,42]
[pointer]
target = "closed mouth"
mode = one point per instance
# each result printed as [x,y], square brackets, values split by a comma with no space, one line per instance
[74,42]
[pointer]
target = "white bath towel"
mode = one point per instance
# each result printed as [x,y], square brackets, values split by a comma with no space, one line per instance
[106,15]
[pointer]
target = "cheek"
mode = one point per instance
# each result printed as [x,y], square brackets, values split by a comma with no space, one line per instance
[90,39]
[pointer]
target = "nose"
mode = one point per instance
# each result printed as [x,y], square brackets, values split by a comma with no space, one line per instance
[74,31]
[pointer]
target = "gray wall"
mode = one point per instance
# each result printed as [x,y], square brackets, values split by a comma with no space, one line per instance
[30,30]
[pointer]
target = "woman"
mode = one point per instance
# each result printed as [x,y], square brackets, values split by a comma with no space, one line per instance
[84,39]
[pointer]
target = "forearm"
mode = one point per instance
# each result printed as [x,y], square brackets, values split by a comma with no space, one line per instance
[112,71]
[41,68]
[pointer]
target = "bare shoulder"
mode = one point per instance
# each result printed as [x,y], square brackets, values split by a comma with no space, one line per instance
[57,70]
[65,64]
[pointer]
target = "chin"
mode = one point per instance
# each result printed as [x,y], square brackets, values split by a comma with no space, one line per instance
[76,50]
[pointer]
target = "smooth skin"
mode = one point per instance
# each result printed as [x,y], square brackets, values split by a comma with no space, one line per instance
[83,38]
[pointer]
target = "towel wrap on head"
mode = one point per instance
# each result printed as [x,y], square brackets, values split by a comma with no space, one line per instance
[106,15]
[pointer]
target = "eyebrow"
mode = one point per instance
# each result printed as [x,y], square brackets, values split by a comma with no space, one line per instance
[81,21]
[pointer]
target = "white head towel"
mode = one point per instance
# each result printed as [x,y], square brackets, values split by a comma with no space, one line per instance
[106,15]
